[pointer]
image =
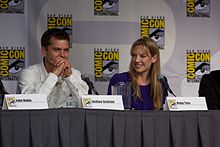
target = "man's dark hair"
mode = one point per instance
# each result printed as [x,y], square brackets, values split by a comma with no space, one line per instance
[56,33]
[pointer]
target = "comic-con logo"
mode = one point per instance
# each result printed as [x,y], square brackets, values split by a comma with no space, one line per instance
[87,103]
[12,61]
[63,22]
[12,6]
[198,8]
[154,28]
[172,104]
[198,64]
[105,63]
[106,7]
[11,102]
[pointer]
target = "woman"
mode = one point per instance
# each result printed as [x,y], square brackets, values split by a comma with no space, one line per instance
[147,91]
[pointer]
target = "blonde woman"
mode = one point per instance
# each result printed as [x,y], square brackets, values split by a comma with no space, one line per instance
[147,92]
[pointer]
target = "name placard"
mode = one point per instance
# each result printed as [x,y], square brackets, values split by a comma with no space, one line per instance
[25,101]
[185,103]
[113,102]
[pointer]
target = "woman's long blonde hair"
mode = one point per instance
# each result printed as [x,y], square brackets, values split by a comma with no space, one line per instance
[150,48]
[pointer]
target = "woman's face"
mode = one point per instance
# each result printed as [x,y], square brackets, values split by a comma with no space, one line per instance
[141,62]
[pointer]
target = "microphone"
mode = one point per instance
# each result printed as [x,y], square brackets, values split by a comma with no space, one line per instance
[163,80]
[89,83]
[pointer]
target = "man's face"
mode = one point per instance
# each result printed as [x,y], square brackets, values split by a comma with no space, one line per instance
[58,48]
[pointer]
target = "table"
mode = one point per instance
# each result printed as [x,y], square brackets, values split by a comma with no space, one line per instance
[109,128]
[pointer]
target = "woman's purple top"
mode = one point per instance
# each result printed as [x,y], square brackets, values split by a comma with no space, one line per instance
[145,104]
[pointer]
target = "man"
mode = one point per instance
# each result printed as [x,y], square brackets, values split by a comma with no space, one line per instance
[209,88]
[2,93]
[54,76]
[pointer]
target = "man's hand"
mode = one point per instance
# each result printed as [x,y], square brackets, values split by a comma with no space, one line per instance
[62,67]
[67,70]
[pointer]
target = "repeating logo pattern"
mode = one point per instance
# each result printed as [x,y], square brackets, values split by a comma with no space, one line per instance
[198,64]
[12,6]
[60,21]
[106,7]
[198,8]
[105,63]
[12,61]
[154,28]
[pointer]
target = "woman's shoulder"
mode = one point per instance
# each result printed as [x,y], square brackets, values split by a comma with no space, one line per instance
[120,77]
[123,75]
